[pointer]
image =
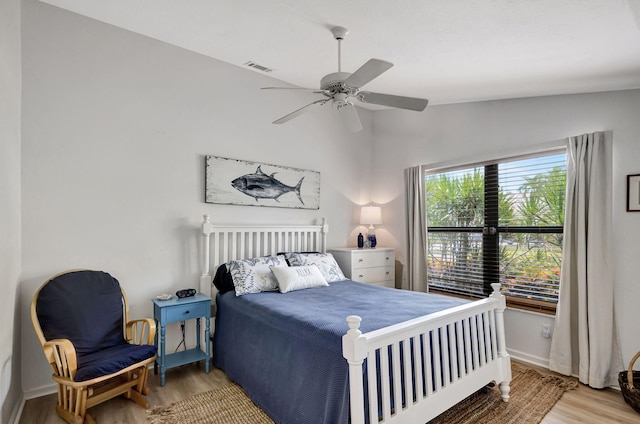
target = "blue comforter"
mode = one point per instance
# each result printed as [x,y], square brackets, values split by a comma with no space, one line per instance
[285,350]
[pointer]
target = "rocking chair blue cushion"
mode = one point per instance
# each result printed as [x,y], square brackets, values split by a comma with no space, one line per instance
[111,360]
[86,307]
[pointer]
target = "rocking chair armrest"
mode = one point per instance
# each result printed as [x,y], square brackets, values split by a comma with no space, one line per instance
[137,329]
[62,357]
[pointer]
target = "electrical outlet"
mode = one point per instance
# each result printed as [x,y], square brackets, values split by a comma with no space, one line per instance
[546,331]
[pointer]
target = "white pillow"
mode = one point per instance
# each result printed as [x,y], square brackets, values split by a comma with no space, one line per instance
[298,277]
[254,275]
[325,262]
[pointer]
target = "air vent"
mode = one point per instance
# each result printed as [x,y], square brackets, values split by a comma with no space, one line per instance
[258,67]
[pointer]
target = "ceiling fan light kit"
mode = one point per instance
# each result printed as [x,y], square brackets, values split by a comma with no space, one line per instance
[343,87]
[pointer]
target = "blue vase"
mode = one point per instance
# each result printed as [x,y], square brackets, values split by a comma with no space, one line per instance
[372,240]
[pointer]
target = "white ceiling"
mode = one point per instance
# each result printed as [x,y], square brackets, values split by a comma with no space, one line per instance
[448,51]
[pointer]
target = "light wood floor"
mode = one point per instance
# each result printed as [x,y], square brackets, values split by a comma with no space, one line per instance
[583,405]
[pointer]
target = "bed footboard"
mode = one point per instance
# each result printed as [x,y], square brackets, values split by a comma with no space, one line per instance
[413,371]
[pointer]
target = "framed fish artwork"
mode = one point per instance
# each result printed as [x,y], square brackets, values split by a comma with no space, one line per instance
[239,182]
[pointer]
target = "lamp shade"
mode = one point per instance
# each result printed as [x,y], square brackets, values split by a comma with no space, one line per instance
[371,215]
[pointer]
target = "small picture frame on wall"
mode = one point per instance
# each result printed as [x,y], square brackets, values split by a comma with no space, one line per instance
[633,193]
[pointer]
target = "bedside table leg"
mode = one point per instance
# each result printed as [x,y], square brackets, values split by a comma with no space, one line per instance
[163,332]
[207,335]
[198,333]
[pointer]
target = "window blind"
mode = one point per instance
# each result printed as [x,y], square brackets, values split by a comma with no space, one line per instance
[500,222]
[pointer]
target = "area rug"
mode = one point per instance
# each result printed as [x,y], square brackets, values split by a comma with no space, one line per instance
[225,405]
[532,396]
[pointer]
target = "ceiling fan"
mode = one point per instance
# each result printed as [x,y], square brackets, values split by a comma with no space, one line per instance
[342,88]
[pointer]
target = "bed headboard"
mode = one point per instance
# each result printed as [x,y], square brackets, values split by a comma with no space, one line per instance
[224,243]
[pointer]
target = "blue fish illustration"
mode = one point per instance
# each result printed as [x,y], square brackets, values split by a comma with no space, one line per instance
[262,186]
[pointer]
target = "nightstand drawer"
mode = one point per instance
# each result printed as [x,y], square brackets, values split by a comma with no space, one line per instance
[373,275]
[372,258]
[185,312]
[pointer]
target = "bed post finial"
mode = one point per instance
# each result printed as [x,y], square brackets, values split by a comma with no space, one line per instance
[353,321]
[325,230]
[205,277]
[498,295]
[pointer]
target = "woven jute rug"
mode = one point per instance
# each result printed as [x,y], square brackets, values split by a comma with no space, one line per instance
[532,396]
[225,405]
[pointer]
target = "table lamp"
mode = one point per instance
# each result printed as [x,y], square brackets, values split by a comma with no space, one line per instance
[371,215]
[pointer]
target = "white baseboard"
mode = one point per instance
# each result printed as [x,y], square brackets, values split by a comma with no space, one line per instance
[531,359]
[16,414]
[41,391]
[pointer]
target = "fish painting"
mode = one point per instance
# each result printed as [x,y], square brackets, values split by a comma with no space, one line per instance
[262,186]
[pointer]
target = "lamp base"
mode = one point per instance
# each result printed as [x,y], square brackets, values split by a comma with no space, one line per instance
[371,237]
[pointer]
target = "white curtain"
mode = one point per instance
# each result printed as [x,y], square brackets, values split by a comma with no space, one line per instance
[585,340]
[416,233]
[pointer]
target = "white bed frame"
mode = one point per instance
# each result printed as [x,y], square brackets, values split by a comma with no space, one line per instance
[468,340]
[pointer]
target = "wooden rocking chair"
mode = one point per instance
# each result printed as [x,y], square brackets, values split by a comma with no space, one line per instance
[81,318]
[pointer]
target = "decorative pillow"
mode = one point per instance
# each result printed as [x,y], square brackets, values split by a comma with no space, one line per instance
[287,255]
[325,262]
[223,281]
[298,277]
[254,275]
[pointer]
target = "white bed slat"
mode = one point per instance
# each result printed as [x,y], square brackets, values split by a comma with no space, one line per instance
[397,377]
[481,346]
[408,374]
[385,389]
[468,347]
[494,347]
[459,357]
[417,354]
[373,388]
[427,356]
[446,374]
[474,342]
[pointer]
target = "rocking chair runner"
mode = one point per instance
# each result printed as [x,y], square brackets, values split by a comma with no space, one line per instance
[81,318]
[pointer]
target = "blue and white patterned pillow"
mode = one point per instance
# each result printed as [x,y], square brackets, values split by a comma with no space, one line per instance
[254,275]
[324,261]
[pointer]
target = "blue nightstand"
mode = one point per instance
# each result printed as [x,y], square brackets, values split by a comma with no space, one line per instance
[176,310]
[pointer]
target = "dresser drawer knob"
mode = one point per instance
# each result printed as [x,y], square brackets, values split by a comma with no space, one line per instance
[186,312]
[387,258]
[360,276]
[360,260]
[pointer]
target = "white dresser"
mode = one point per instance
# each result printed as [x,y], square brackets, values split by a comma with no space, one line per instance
[373,266]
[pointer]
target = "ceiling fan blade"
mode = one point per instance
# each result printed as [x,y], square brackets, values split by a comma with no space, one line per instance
[295,113]
[411,103]
[350,117]
[367,72]
[313,90]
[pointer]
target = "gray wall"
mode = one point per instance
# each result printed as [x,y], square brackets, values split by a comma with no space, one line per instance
[10,86]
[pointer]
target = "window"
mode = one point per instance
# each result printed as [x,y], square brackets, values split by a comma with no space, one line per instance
[499,222]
